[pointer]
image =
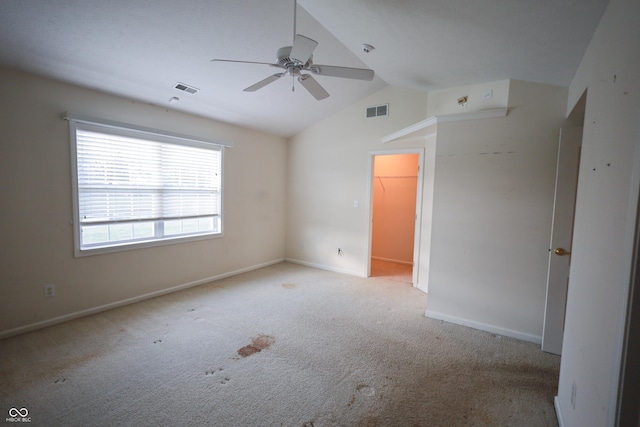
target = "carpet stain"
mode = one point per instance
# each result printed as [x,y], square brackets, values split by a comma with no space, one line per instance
[369,421]
[352,401]
[259,343]
[288,286]
[213,372]
[469,390]
[53,372]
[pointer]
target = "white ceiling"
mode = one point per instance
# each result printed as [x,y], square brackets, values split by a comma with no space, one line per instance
[141,48]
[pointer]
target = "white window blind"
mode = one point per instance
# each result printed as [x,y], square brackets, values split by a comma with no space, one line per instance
[137,187]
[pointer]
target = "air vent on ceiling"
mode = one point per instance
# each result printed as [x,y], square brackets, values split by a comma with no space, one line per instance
[186,88]
[378,111]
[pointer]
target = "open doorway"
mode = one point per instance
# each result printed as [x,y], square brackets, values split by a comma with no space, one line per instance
[395,188]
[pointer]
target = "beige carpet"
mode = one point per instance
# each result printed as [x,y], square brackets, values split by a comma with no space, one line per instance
[282,346]
[391,270]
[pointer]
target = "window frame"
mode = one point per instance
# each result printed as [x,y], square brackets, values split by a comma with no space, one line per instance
[122,129]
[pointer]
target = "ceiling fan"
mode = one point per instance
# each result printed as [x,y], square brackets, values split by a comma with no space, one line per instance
[296,61]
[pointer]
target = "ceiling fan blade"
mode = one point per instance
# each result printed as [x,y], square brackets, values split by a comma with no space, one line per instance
[302,48]
[263,83]
[244,62]
[344,72]
[313,87]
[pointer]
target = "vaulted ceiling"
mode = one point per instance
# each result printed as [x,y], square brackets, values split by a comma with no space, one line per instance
[141,48]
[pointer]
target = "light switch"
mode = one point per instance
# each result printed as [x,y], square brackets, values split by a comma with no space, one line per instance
[356,203]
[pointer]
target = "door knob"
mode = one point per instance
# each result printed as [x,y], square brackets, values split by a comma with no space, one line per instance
[561,252]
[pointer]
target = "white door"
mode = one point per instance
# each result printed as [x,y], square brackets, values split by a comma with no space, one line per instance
[561,234]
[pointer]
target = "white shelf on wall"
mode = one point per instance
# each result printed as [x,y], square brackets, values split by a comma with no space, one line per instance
[445,118]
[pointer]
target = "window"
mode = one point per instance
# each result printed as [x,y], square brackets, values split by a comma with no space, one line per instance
[137,187]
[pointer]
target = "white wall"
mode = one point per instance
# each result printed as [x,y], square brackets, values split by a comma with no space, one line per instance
[484,96]
[493,201]
[328,170]
[604,220]
[36,238]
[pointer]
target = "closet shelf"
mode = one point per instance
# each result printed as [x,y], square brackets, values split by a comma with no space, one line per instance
[445,118]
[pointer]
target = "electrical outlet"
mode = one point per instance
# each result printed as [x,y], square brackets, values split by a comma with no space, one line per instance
[49,291]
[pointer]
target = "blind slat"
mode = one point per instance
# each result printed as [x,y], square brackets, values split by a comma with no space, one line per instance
[121,178]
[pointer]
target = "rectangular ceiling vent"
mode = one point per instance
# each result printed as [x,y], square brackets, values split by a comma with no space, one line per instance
[186,88]
[377,111]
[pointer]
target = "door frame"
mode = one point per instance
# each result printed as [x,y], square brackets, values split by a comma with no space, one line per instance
[418,221]
[628,352]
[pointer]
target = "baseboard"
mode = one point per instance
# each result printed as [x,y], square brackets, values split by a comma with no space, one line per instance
[484,327]
[556,404]
[422,287]
[395,261]
[82,313]
[324,267]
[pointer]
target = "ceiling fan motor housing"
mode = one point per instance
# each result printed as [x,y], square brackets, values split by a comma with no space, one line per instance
[291,65]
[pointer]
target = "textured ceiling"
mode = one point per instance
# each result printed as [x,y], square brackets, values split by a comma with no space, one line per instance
[140,49]
[444,43]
